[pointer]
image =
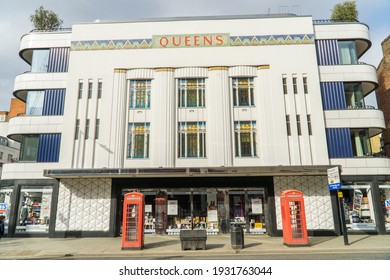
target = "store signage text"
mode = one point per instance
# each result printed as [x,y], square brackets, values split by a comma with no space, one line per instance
[191,40]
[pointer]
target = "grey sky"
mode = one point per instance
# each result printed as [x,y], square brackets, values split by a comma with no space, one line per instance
[14,21]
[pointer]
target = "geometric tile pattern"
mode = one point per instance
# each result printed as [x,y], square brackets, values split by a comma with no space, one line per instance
[84,204]
[318,208]
[251,40]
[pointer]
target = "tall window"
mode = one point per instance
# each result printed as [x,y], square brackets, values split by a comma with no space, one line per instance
[89,90]
[97,128]
[192,140]
[140,93]
[361,144]
[40,61]
[29,148]
[284,81]
[77,132]
[87,124]
[354,97]
[138,146]
[243,92]
[100,89]
[295,86]
[80,90]
[305,90]
[347,52]
[309,124]
[288,125]
[299,125]
[245,138]
[191,93]
[34,103]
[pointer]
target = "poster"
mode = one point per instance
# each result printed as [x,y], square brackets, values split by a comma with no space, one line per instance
[148,208]
[257,206]
[212,215]
[172,207]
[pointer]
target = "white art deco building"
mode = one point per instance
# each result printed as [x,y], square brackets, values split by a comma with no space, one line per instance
[215,116]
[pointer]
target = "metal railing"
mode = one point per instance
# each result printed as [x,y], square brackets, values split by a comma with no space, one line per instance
[62,29]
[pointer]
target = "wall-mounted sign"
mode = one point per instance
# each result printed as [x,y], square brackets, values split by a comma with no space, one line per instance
[190,40]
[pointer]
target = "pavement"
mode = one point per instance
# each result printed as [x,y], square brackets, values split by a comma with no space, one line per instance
[169,247]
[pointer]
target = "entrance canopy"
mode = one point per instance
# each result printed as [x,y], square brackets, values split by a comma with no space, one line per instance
[186,172]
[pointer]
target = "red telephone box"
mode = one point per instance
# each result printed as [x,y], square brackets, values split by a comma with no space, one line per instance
[133,221]
[293,218]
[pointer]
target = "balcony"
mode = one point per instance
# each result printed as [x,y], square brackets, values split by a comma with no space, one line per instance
[363,165]
[356,118]
[361,72]
[38,81]
[43,40]
[356,31]
[34,125]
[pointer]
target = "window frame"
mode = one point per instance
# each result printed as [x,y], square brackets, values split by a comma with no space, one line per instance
[191,133]
[134,147]
[245,128]
[191,89]
[136,91]
[239,94]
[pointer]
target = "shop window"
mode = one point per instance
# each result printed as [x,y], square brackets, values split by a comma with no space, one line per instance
[191,93]
[243,92]
[178,212]
[138,146]
[361,144]
[34,209]
[245,139]
[140,93]
[192,140]
[5,205]
[385,201]
[347,52]
[40,61]
[256,212]
[358,207]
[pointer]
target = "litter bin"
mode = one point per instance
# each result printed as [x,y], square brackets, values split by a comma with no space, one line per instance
[237,237]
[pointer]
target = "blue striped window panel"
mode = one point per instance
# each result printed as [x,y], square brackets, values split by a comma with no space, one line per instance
[333,95]
[49,102]
[327,52]
[49,147]
[339,142]
[58,60]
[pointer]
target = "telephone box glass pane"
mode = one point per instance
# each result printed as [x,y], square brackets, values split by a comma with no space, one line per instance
[131,222]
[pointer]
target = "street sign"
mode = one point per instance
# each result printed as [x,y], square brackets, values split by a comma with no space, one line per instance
[387,203]
[334,178]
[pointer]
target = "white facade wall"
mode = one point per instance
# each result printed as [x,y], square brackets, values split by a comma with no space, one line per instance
[164,66]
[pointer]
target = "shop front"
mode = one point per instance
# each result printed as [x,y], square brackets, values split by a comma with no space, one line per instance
[168,210]
[27,207]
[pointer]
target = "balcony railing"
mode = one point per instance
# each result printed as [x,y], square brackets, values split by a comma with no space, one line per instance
[62,29]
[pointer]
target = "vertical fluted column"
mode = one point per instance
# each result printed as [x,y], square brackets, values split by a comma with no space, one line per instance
[118,119]
[163,124]
[219,118]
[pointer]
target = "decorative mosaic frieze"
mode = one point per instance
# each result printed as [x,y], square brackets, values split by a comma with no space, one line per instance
[318,206]
[193,41]
[84,205]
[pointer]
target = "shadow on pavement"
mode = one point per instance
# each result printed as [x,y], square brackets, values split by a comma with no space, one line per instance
[161,244]
[318,240]
[360,239]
